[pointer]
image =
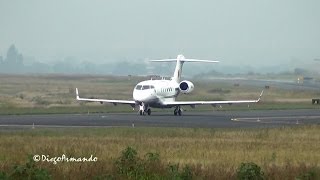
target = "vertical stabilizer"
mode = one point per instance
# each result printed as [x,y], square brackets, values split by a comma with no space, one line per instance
[178,70]
[180,60]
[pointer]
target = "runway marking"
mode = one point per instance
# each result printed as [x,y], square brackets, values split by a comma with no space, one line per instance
[280,119]
[56,126]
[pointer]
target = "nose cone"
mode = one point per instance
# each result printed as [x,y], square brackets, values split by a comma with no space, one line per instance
[139,96]
[142,96]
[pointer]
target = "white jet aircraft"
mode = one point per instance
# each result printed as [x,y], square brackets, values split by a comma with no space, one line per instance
[163,93]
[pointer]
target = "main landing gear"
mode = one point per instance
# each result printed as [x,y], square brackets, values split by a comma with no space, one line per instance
[177,111]
[143,110]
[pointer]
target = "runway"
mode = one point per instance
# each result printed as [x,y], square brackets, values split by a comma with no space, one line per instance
[215,119]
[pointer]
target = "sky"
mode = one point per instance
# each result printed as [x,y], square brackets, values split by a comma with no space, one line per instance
[246,32]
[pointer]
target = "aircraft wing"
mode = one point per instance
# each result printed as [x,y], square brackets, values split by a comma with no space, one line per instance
[193,103]
[115,102]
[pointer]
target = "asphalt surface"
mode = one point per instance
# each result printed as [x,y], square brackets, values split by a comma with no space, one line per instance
[216,119]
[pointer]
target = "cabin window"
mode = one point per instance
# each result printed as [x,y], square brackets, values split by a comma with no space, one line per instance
[152,87]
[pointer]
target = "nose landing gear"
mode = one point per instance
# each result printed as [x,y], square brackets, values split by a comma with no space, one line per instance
[143,110]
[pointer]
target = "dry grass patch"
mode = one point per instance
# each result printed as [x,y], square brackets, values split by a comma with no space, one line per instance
[217,150]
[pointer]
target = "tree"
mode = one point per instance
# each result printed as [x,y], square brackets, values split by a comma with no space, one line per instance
[13,63]
[13,56]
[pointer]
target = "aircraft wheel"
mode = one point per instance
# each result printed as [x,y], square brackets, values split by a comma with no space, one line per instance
[149,112]
[140,112]
[179,112]
[175,112]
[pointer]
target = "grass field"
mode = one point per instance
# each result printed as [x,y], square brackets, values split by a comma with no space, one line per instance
[282,153]
[43,94]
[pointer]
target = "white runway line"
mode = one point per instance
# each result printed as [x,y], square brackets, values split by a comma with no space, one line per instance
[280,119]
[56,126]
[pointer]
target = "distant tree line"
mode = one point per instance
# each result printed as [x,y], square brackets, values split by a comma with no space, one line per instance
[13,62]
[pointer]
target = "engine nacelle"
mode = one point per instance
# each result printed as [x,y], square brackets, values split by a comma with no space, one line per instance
[186,87]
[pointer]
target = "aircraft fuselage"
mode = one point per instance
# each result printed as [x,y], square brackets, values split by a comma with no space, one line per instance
[153,93]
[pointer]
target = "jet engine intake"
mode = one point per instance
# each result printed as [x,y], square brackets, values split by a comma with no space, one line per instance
[186,87]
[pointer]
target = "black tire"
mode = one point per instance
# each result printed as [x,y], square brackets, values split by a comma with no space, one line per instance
[179,112]
[149,112]
[140,112]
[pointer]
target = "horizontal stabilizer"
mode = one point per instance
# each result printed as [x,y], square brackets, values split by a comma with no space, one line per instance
[164,60]
[199,60]
[184,60]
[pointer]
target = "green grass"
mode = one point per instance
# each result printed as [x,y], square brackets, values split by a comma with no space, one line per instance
[282,153]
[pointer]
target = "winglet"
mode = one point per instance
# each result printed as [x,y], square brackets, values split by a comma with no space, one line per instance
[77,93]
[260,96]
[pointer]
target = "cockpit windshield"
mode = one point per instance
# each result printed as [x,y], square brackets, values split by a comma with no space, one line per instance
[144,87]
[138,87]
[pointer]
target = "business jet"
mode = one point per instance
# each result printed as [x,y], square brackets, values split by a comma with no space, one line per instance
[163,93]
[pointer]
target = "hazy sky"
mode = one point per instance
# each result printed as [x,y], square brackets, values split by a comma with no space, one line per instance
[234,32]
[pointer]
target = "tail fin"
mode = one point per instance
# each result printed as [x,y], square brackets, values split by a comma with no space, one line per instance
[180,60]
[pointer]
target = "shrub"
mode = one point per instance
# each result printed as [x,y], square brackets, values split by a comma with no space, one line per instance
[186,173]
[3,176]
[129,164]
[173,171]
[21,96]
[307,176]
[28,171]
[248,171]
